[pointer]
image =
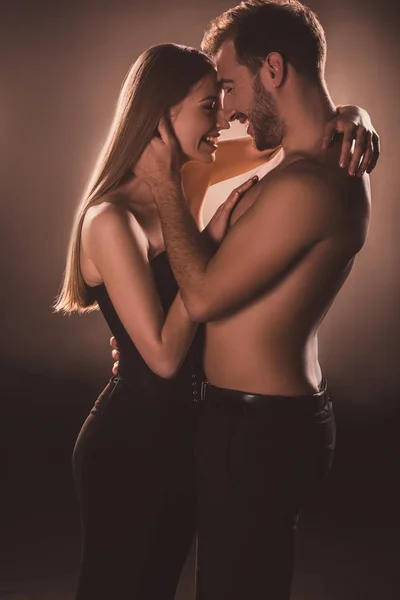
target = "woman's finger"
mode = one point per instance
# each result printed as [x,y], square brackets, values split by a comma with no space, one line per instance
[237,195]
[115,368]
[243,188]
[376,152]
[366,160]
[362,139]
[329,134]
[347,143]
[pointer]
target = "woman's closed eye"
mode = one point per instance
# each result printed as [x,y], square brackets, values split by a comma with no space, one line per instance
[212,106]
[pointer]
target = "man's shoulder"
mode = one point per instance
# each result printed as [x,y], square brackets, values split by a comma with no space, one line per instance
[319,180]
[301,178]
[324,195]
[311,171]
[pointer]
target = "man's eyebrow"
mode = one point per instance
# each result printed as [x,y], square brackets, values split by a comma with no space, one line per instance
[223,80]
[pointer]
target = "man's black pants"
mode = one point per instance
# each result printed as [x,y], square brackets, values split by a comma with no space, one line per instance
[259,458]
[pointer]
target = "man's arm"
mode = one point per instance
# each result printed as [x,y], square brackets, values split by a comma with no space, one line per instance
[288,219]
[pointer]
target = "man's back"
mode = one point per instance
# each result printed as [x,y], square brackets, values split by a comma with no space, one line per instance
[312,218]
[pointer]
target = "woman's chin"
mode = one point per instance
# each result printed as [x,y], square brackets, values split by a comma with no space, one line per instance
[205,156]
[208,158]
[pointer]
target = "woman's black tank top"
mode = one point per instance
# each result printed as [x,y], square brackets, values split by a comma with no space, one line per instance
[132,367]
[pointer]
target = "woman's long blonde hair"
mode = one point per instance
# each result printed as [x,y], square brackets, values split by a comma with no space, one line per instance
[160,78]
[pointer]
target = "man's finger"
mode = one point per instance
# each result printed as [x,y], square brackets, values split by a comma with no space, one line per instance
[166,130]
[115,368]
[163,130]
[113,343]
[115,354]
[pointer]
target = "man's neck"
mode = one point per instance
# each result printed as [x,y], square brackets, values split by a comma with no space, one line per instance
[305,111]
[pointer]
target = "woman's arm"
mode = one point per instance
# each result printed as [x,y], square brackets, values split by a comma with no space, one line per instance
[355,125]
[114,242]
[212,236]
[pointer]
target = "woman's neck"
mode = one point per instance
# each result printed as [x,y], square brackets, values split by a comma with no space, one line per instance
[138,195]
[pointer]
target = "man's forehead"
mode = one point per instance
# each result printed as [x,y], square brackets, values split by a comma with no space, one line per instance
[225,61]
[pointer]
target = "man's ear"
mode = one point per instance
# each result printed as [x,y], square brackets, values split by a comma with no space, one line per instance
[273,70]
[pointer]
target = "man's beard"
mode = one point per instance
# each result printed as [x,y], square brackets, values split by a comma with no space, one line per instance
[264,117]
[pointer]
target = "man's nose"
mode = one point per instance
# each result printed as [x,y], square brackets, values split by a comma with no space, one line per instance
[227,107]
[222,120]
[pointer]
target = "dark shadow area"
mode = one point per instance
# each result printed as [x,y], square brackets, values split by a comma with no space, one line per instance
[347,544]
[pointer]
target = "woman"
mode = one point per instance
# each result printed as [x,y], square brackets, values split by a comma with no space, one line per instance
[133,462]
[133,458]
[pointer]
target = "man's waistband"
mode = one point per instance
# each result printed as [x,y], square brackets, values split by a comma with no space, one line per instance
[245,402]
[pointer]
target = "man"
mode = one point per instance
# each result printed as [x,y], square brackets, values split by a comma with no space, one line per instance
[267,434]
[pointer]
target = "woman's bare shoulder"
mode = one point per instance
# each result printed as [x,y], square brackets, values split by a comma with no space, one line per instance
[106,208]
[109,218]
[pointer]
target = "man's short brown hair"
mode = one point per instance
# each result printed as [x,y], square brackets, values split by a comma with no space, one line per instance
[258,27]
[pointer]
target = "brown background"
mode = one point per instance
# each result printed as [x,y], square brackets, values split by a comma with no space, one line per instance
[62,65]
[62,70]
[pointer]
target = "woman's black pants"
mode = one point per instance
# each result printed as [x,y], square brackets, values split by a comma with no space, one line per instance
[134,471]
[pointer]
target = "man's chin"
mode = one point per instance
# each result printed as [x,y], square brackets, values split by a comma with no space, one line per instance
[251,135]
[262,144]
[250,130]
[259,145]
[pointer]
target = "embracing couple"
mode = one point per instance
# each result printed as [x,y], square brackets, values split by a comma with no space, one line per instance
[218,421]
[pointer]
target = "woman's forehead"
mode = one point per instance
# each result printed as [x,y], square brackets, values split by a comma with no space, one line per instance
[207,86]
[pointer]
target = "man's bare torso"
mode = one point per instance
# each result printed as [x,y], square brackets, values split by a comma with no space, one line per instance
[270,345]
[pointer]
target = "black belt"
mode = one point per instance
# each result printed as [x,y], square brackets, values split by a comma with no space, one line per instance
[247,402]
